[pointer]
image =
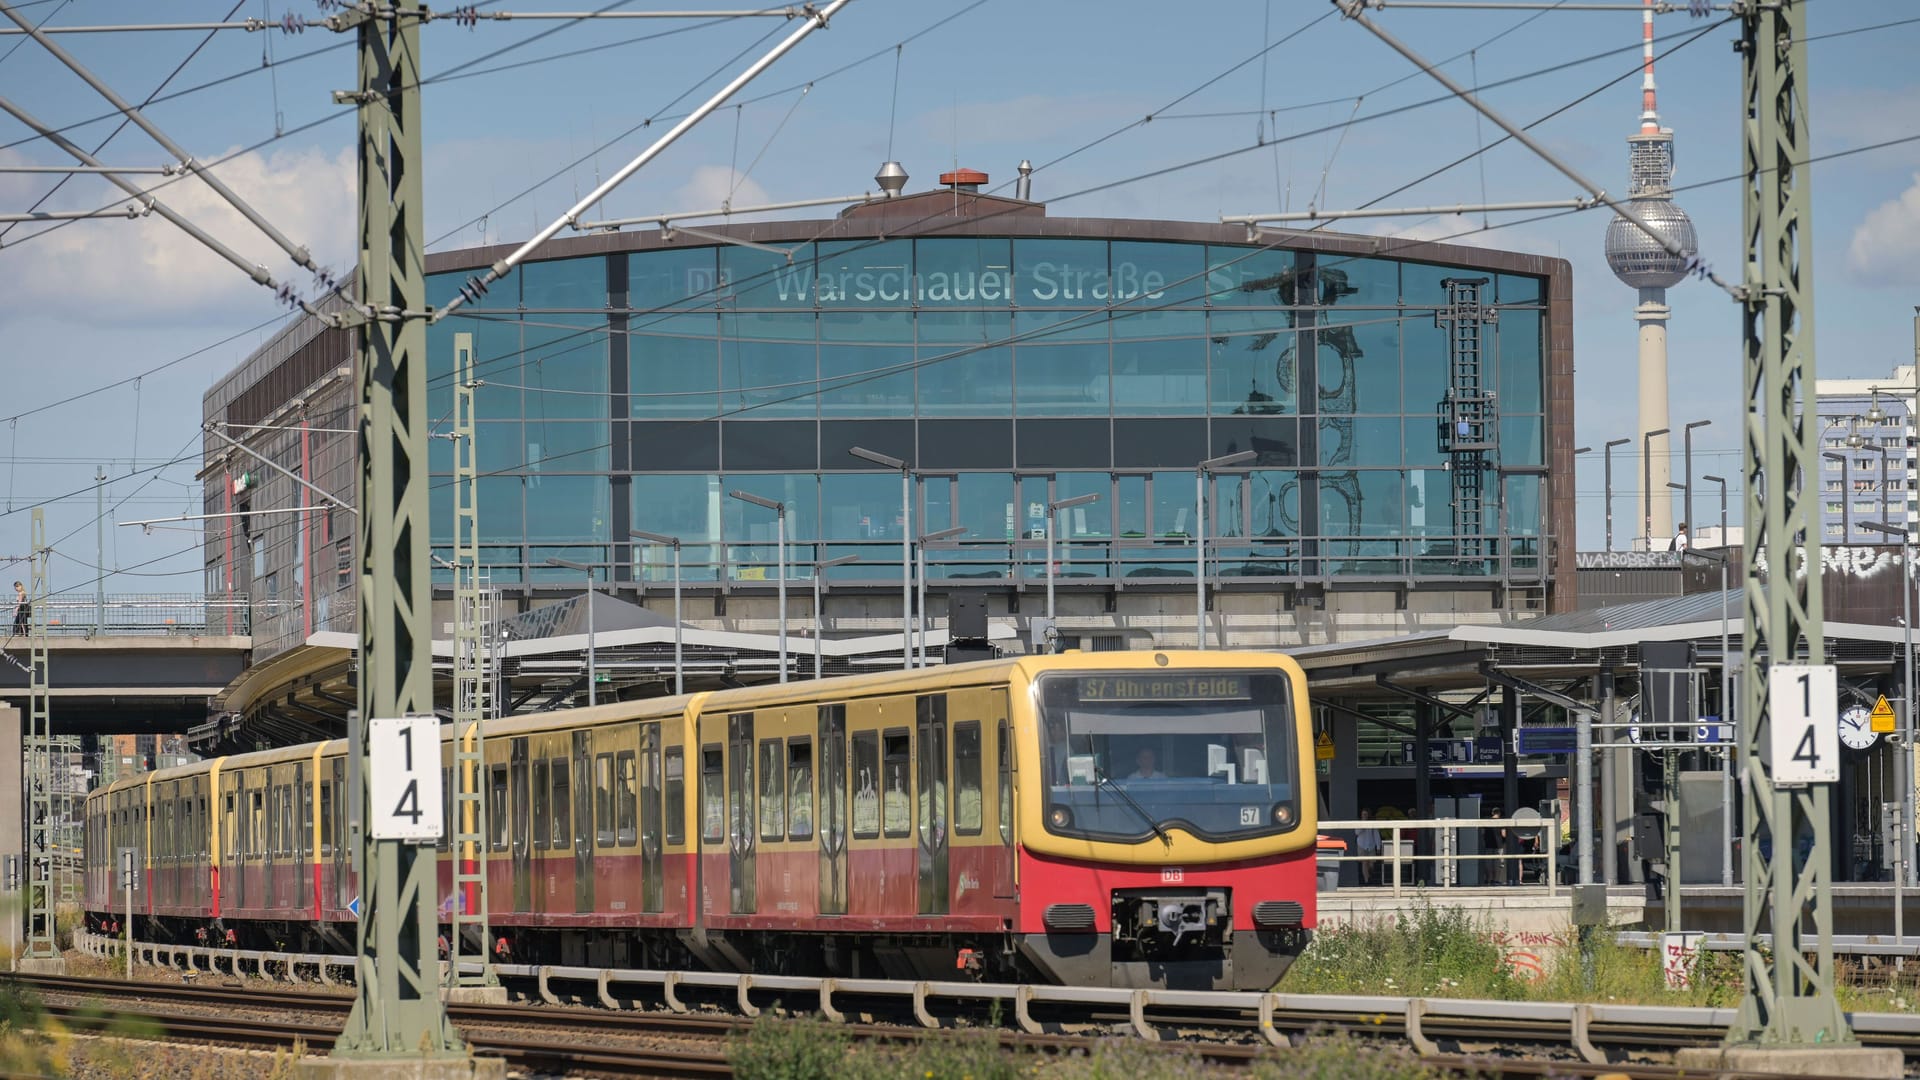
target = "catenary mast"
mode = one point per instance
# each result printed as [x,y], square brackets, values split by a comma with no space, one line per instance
[1638,261]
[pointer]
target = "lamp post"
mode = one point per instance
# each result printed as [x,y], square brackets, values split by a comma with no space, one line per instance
[1686,435]
[1846,493]
[679,671]
[1200,474]
[1611,443]
[920,627]
[906,544]
[1646,485]
[819,619]
[1903,870]
[1722,481]
[1863,444]
[1726,691]
[780,537]
[593,669]
[1053,511]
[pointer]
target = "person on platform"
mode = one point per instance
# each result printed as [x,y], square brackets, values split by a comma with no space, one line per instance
[22,609]
[1679,541]
[1367,841]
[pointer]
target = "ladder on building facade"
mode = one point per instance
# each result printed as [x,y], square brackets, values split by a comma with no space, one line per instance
[1469,414]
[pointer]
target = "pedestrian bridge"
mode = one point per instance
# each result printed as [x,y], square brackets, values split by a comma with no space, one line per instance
[131,664]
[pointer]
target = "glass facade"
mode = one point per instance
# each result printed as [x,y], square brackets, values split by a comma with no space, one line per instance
[636,389]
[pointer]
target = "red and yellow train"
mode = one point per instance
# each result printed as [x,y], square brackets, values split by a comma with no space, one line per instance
[1126,819]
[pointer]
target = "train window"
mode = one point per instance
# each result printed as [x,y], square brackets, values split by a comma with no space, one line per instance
[497,806]
[800,788]
[257,837]
[603,800]
[713,801]
[326,818]
[263,805]
[1006,784]
[676,796]
[895,806]
[542,808]
[626,801]
[967,810]
[866,785]
[562,804]
[773,796]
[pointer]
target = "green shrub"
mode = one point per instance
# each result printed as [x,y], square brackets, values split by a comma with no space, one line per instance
[790,1049]
[811,1049]
[1324,1057]
[1423,952]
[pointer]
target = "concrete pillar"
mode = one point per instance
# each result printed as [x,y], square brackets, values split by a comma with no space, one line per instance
[1652,316]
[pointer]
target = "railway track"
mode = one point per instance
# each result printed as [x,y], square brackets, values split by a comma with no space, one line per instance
[599,1042]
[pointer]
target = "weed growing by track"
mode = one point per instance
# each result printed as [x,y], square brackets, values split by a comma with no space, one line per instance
[810,1049]
[1425,951]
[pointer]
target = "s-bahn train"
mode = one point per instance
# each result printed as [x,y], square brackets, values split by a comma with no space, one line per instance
[1131,819]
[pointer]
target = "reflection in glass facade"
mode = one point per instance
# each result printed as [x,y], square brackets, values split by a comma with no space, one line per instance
[635,389]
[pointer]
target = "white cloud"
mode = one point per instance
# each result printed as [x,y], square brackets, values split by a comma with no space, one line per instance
[711,186]
[1447,228]
[148,268]
[1886,244]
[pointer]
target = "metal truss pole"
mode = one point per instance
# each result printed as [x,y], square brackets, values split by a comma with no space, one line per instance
[397,1011]
[472,686]
[39,943]
[1789,999]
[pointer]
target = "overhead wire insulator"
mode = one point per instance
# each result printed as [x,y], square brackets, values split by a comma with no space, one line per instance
[292,24]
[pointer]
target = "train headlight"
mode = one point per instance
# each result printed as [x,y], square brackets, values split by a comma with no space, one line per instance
[1059,817]
[1283,814]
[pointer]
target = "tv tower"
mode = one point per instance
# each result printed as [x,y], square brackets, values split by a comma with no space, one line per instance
[1638,261]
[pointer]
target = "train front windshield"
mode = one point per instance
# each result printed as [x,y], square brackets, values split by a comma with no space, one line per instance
[1132,756]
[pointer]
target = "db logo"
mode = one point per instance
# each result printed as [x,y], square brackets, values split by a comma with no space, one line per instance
[1172,875]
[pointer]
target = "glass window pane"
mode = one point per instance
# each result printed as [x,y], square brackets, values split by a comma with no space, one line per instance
[959,372]
[1173,504]
[968,800]
[753,279]
[1429,502]
[863,372]
[863,274]
[1359,366]
[1253,363]
[626,800]
[1130,505]
[565,367]
[800,492]
[577,446]
[866,785]
[1362,503]
[936,504]
[1423,441]
[953,272]
[985,502]
[1359,440]
[1523,511]
[1420,284]
[568,509]
[768,365]
[1092,520]
[1151,274]
[1060,365]
[1519,337]
[1520,440]
[896,803]
[675,279]
[1226,505]
[1274,500]
[1164,374]
[1249,277]
[674,365]
[773,792]
[499,511]
[1349,282]
[1060,273]
[861,506]
[1425,364]
[799,789]
[1521,289]
[564,283]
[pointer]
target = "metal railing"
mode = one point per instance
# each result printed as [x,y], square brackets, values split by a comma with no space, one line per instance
[1446,853]
[142,614]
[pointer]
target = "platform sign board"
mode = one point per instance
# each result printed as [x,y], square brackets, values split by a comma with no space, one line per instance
[1323,746]
[403,778]
[1540,741]
[1806,724]
[1711,730]
[1882,717]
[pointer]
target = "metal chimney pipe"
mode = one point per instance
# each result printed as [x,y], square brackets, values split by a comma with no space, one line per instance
[1023,190]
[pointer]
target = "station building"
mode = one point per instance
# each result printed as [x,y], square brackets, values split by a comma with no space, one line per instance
[1011,360]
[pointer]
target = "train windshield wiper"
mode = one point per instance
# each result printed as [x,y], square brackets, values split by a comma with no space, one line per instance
[1159,830]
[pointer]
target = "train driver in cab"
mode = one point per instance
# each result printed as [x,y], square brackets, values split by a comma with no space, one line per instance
[1146,765]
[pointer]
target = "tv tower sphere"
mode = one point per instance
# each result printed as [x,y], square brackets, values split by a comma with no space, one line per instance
[1640,261]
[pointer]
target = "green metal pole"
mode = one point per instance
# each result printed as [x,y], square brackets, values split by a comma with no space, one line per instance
[397,1011]
[39,945]
[1789,998]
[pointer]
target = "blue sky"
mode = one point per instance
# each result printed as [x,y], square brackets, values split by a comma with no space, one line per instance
[514,136]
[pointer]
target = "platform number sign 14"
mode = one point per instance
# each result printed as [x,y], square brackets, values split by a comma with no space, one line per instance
[1806,724]
[403,778]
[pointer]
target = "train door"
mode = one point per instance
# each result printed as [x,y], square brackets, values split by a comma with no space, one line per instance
[740,823]
[229,803]
[342,857]
[519,777]
[831,825]
[585,788]
[653,895]
[931,720]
